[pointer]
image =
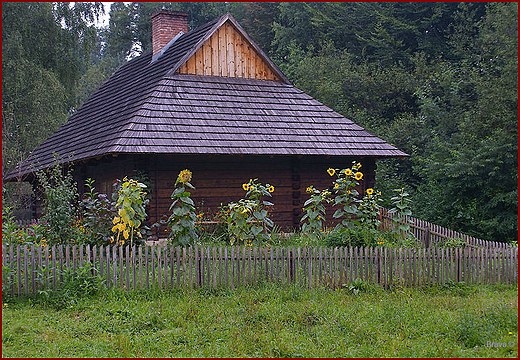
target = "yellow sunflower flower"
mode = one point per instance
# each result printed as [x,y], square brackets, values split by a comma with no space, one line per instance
[184,176]
[370,191]
[358,175]
[358,165]
[245,187]
[336,185]
[348,172]
[271,189]
[309,190]
[331,171]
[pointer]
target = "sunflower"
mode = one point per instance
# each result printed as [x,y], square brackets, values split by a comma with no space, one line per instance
[271,189]
[309,190]
[331,171]
[358,165]
[370,191]
[358,175]
[348,172]
[336,185]
[184,176]
[245,187]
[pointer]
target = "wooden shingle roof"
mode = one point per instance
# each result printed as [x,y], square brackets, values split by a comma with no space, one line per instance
[145,107]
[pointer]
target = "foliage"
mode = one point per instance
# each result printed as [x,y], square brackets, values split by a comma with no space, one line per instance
[369,207]
[451,243]
[12,233]
[60,204]
[83,282]
[356,286]
[8,274]
[315,210]
[183,218]
[357,236]
[131,210]
[248,218]
[9,227]
[98,213]
[346,194]
[45,49]
[400,227]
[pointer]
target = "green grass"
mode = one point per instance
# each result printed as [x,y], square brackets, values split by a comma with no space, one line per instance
[454,320]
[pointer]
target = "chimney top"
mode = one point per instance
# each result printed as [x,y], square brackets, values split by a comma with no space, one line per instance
[167,24]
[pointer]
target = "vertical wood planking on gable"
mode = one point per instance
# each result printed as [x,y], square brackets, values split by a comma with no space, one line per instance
[227,53]
[215,71]
[199,65]
[238,54]
[207,57]
[241,57]
[222,63]
[230,50]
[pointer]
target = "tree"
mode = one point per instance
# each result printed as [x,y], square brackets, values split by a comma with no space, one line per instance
[470,166]
[45,49]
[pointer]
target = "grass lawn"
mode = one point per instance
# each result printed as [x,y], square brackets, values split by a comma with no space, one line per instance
[455,320]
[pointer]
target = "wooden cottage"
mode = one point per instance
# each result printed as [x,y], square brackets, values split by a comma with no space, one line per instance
[209,100]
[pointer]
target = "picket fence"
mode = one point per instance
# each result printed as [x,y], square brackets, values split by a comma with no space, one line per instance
[434,235]
[30,269]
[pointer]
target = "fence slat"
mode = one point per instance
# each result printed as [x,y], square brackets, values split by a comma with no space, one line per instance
[179,265]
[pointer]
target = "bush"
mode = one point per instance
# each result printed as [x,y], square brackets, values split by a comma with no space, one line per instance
[98,213]
[84,282]
[60,204]
[352,237]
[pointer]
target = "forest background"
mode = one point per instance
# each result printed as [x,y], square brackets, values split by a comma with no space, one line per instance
[437,80]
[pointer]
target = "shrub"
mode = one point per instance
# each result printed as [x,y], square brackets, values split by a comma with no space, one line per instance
[60,204]
[352,237]
[98,213]
[401,209]
[9,226]
[83,282]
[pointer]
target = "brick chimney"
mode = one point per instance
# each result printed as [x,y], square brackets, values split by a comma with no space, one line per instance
[165,25]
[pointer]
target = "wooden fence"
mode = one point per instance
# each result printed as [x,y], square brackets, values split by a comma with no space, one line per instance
[29,269]
[25,222]
[433,235]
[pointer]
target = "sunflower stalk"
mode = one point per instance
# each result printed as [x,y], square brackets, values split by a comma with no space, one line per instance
[247,219]
[183,218]
[346,195]
[131,211]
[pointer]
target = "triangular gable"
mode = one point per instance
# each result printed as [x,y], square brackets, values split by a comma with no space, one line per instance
[228,51]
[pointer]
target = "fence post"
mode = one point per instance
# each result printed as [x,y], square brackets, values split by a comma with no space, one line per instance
[427,237]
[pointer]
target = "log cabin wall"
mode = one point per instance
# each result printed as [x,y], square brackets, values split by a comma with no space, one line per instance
[227,53]
[218,180]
